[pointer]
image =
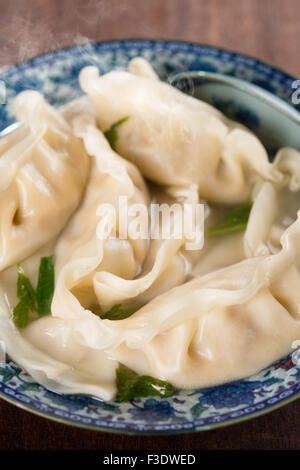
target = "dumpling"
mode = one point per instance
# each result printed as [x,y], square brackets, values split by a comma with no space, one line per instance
[275,206]
[223,324]
[274,209]
[43,172]
[196,317]
[216,328]
[82,251]
[96,273]
[48,348]
[52,349]
[175,139]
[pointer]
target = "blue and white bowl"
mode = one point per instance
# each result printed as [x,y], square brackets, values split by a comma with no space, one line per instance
[56,75]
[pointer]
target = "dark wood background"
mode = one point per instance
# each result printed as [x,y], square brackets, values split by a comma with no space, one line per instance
[267,29]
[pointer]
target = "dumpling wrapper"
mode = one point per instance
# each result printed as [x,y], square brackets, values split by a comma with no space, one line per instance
[226,323]
[105,272]
[43,172]
[53,352]
[175,139]
[223,326]
[48,348]
[218,327]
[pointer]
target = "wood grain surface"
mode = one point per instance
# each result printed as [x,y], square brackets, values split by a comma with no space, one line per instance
[266,29]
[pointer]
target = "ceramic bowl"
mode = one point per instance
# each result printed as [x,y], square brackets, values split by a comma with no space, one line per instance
[56,75]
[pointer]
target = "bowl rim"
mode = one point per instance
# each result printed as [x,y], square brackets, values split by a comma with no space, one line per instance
[67,421]
[5,68]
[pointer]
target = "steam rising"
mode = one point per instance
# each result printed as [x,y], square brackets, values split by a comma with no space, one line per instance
[29,32]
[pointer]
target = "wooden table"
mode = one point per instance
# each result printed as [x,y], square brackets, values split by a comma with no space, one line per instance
[267,29]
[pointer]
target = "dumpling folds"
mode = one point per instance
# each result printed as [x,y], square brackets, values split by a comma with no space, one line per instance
[220,326]
[96,273]
[274,209]
[175,139]
[223,326]
[43,171]
[51,348]
[235,321]
[216,328]
[48,347]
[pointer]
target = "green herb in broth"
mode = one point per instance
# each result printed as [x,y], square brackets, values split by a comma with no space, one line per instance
[45,286]
[117,313]
[38,301]
[236,221]
[20,314]
[25,291]
[130,385]
[27,300]
[112,135]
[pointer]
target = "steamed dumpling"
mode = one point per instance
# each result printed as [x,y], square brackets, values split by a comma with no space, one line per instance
[220,327]
[274,209]
[175,139]
[48,348]
[82,250]
[96,273]
[43,171]
[228,321]
[203,317]
[223,326]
